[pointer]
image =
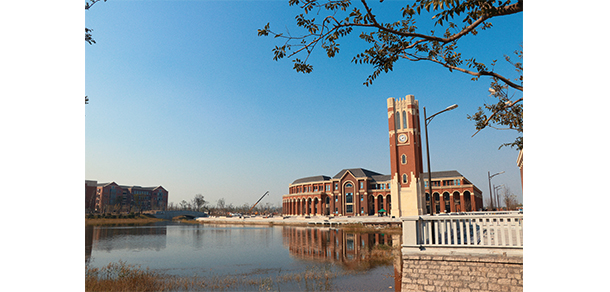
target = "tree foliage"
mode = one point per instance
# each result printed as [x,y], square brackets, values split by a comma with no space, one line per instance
[88,37]
[199,202]
[326,22]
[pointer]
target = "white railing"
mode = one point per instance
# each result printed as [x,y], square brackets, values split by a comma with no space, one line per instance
[470,230]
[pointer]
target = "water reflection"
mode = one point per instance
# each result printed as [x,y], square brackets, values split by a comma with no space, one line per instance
[352,250]
[362,261]
[216,250]
[134,238]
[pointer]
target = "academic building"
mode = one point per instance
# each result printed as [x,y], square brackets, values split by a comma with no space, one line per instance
[362,192]
[111,197]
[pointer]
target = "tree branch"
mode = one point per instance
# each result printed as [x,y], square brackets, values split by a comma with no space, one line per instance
[477,74]
[508,10]
[509,105]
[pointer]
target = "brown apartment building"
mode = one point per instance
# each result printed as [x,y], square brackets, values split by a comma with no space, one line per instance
[112,197]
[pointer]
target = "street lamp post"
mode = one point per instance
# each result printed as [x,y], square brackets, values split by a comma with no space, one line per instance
[489,177]
[496,188]
[427,120]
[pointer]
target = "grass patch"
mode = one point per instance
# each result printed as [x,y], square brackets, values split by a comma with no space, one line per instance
[359,228]
[108,219]
[123,277]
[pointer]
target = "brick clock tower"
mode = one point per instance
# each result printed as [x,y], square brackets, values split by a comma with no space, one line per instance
[405,157]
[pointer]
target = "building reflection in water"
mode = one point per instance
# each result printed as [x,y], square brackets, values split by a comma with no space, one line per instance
[131,238]
[352,250]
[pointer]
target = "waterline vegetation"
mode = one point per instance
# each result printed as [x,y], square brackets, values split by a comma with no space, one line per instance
[119,219]
[124,277]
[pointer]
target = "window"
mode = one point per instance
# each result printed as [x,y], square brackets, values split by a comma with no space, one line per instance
[349,198]
[362,185]
[349,185]
[336,186]
[404,119]
[397,120]
[349,209]
[404,178]
[403,159]
[328,188]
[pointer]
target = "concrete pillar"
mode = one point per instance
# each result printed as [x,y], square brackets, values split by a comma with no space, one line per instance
[409,231]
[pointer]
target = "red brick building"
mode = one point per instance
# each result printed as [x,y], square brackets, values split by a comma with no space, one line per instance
[111,197]
[90,191]
[361,192]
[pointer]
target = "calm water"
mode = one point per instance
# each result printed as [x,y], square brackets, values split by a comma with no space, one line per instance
[249,251]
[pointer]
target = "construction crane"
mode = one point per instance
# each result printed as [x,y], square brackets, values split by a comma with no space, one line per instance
[249,211]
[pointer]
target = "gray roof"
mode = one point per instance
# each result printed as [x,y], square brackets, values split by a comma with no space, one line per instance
[357,172]
[381,178]
[138,188]
[103,184]
[443,174]
[311,179]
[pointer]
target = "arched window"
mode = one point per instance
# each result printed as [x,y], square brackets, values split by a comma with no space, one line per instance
[456,202]
[397,120]
[404,119]
[467,201]
[447,200]
[404,178]
[349,185]
[404,159]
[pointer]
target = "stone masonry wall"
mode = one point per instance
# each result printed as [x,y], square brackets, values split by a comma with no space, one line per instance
[462,273]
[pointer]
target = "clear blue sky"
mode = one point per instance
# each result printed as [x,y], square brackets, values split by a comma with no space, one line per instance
[184,94]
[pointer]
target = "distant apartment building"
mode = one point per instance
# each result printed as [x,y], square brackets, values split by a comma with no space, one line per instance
[112,197]
[90,191]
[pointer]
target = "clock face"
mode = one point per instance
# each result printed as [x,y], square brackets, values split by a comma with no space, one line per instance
[402,138]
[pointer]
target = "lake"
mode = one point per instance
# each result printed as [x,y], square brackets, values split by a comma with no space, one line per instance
[358,261]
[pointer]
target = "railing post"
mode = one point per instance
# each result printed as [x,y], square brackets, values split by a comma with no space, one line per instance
[410,233]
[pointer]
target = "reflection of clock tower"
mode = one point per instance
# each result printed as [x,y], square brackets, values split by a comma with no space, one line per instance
[405,157]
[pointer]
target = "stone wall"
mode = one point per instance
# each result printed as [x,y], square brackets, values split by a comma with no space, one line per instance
[462,273]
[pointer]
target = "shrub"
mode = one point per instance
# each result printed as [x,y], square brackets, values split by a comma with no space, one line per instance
[122,277]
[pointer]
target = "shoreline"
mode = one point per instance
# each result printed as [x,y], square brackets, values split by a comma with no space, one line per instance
[360,222]
[115,221]
[372,222]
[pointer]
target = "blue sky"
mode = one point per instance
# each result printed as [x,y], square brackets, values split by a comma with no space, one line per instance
[184,94]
